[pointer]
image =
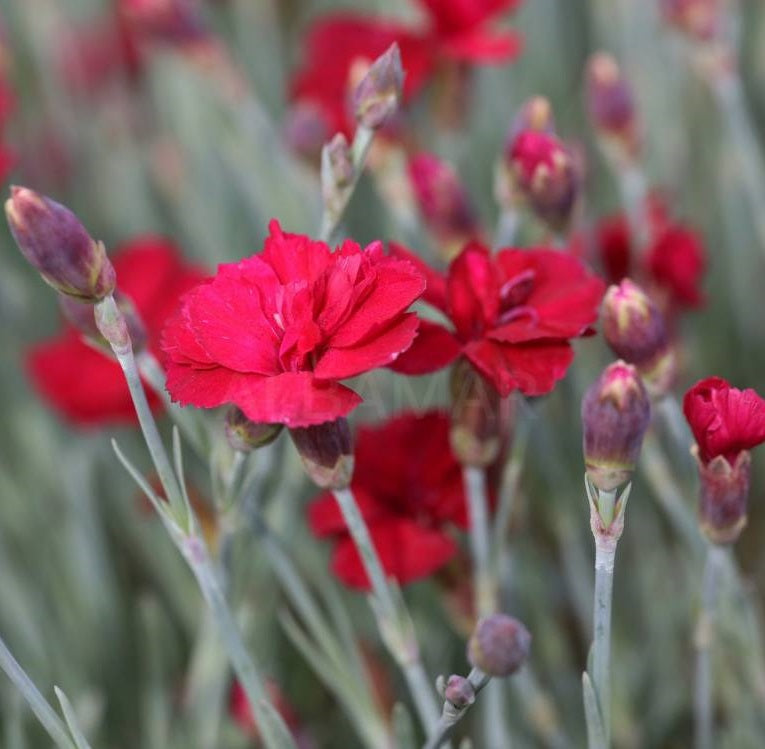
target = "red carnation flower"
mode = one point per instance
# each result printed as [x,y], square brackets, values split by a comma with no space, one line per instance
[409,489]
[614,243]
[86,386]
[454,30]
[513,315]
[726,423]
[275,332]
[677,263]
[724,420]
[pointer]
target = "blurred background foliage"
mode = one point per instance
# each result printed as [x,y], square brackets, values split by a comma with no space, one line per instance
[93,596]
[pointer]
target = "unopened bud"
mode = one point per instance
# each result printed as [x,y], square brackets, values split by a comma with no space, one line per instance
[81,315]
[499,645]
[611,105]
[724,496]
[56,243]
[327,453]
[616,411]
[244,435]
[635,330]
[378,94]
[480,417]
[535,114]
[459,691]
[443,201]
[543,172]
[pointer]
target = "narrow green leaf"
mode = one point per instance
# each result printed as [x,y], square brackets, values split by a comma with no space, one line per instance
[403,727]
[71,719]
[596,737]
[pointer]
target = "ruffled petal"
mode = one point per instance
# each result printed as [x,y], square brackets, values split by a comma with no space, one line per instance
[434,348]
[435,286]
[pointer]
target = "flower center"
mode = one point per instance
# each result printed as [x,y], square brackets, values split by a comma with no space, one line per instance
[513,295]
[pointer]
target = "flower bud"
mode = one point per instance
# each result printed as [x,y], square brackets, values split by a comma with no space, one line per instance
[543,173]
[306,128]
[54,241]
[724,496]
[480,417]
[112,325]
[443,201]
[611,105]
[535,114]
[244,435]
[499,645]
[459,691]
[81,316]
[616,411]
[378,94]
[327,453]
[634,328]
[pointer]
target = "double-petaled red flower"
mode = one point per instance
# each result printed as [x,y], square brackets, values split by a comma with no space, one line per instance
[85,385]
[726,423]
[513,314]
[672,265]
[275,332]
[452,30]
[409,489]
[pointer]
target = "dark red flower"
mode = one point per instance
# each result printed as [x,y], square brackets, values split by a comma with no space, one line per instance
[409,489]
[723,419]
[513,315]
[676,261]
[454,30]
[241,712]
[275,332]
[86,386]
[614,242]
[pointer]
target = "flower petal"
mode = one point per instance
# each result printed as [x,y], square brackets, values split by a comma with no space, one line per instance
[326,519]
[435,287]
[434,348]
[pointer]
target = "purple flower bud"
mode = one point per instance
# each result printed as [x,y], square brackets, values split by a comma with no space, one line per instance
[379,92]
[499,645]
[481,420]
[459,691]
[327,453]
[616,411]
[54,241]
[339,169]
[635,330]
[610,103]
[244,435]
[724,496]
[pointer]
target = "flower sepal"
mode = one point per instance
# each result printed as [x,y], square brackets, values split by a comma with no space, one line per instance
[607,510]
[327,453]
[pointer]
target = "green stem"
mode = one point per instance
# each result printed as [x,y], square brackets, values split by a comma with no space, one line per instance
[703,703]
[331,215]
[601,646]
[634,188]
[401,643]
[43,711]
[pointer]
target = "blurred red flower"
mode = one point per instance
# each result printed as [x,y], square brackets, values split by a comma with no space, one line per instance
[513,315]
[453,30]
[409,489]
[85,385]
[7,104]
[275,332]
[676,261]
[724,420]
[240,711]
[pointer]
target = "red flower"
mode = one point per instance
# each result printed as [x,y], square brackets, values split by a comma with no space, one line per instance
[275,332]
[614,243]
[454,30]
[513,315]
[409,488]
[725,421]
[677,263]
[83,384]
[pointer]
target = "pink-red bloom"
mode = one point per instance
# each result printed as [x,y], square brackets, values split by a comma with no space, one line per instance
[85,385]
[409,489]
[453,30]
[723,419]
[274,333]
[513,314]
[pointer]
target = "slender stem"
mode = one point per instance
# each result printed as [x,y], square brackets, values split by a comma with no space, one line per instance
[43,711]
[703,703]
[451,715]
[634,188]
[731,102]
[401,643]
[331,215]
[474,480]
[601,647]
[507,227]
